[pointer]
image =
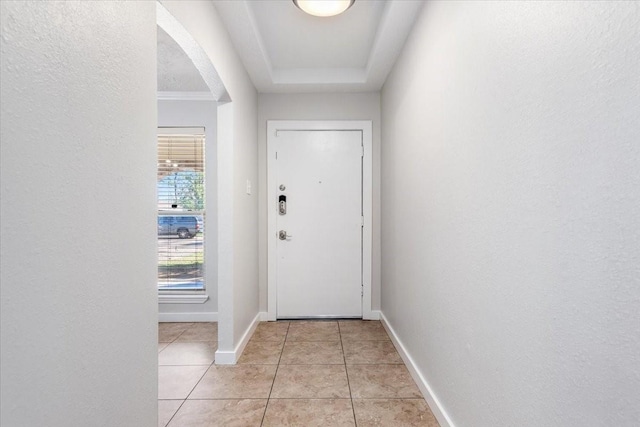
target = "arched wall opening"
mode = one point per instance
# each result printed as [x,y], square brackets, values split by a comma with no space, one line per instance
[223,215]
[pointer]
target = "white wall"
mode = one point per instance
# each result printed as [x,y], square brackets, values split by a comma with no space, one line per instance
[199,113]
[319,106]
[511,210]
[78,269]
[237,162]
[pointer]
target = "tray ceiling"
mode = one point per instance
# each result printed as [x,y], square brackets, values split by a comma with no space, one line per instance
[286,50]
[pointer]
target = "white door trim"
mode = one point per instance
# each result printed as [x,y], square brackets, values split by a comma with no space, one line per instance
[367,202]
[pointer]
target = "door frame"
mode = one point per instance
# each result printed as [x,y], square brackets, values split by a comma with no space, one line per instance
[364,126]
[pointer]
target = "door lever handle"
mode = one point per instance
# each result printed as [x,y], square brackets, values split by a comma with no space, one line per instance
[282,235]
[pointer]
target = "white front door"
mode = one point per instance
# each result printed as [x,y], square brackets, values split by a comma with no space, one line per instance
[318,176]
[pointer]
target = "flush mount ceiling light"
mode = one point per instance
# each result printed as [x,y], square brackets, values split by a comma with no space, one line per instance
[323,8]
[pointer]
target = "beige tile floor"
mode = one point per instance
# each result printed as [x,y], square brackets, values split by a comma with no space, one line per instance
[293,373]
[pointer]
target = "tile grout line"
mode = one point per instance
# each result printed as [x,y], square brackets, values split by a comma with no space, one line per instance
[194,387]
[344,357]
[184,400]
[175,413]
[264,414]
[279,363]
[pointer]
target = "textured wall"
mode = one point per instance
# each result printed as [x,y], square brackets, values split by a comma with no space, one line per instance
[325,106]
[176,72]
[79,305]
[511,210]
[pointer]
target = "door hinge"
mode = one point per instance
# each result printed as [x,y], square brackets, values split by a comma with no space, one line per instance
[362,221]
[362,154]
[276,155]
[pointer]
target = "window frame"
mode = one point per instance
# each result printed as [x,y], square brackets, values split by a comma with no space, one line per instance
[184,296]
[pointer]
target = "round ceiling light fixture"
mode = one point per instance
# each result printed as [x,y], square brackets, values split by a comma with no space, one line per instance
[323,8]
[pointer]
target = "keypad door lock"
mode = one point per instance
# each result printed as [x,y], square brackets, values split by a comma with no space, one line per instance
[282,204]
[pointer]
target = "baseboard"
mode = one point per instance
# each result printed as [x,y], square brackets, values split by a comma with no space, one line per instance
[373,315]
[225,357]
[264,316]
[231,357]
[426,390]
[188,317]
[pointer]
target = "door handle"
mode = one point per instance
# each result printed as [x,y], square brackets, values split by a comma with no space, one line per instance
[282,235]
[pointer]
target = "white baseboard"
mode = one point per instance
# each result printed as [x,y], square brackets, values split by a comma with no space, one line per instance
[231,357]
[373,315]
[188,317]
[225,357]
[264,316]
[421,381]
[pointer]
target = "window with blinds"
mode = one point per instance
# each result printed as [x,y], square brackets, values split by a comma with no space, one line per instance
[181,172]
[181,209]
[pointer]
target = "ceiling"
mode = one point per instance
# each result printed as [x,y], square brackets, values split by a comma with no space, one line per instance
[286,50]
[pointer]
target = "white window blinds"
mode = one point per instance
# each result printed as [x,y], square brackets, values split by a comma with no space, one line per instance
[181,171]
[181,209]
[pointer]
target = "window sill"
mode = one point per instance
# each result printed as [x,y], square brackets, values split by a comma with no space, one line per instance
[183,299]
